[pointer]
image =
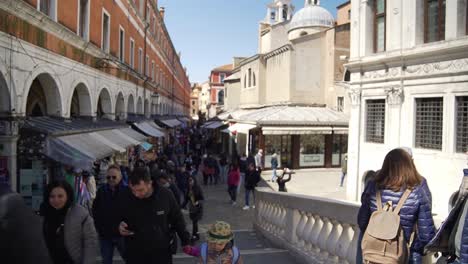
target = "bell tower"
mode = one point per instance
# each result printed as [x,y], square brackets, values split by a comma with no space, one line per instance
[279,11]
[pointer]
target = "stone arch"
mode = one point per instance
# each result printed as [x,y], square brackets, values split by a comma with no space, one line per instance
[43,97]
[5,98]
[120,107]
[139,109]
[80,100]
[104,104]
[221,97]
[130,104]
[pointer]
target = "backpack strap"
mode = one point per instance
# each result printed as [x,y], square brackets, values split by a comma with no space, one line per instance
[379,201]
[204,252]
[402,201]
[235,255]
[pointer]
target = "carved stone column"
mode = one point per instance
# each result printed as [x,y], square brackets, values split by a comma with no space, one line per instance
[395,98]
[354,141]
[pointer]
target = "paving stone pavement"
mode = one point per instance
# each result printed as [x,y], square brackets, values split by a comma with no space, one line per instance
[314,182]
[217,206]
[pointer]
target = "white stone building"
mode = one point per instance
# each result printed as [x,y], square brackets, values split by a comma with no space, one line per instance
[204,98]
[409,87]
[285,98]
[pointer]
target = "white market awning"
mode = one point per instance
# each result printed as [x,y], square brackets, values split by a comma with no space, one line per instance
[110,142]
[118,138]
[133,134]
[277,130]
[149,129]
[241,128]
[88,144]
[171,122]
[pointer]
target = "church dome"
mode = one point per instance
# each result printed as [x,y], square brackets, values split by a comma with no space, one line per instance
[312,16]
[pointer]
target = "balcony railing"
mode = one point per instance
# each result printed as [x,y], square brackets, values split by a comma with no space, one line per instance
[313,229]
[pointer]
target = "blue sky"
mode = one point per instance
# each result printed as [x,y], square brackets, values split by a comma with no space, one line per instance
[209,33]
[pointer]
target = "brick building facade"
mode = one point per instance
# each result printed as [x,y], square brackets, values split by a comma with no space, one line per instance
[99,59]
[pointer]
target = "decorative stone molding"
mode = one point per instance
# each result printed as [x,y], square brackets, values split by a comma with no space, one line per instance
[394,95]
[440,67]
[382,74]
[355,96]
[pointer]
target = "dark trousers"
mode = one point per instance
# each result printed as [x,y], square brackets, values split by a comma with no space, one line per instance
[157,257]
[208,178]
[194,227]
[108,246]
[232,190]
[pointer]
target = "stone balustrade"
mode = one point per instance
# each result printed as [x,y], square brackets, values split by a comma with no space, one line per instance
[313,229]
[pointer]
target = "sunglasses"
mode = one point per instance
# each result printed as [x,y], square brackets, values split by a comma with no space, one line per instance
[111,177]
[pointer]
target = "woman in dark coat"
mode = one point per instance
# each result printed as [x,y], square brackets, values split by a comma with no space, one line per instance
[194,198]
[68,228]
[398,174]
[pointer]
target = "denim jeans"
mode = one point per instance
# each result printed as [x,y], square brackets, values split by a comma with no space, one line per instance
[241,181]
[107,249]
[273,174]
[247,196]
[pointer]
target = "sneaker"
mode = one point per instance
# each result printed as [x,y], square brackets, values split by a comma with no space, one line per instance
[234,203]
[253,206]
[246,207]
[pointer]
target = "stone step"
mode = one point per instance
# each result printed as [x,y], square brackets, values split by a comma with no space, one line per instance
[270,256]
[253,250]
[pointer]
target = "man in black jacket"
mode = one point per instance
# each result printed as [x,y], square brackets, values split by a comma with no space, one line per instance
[21,239]
[106,213]
[147,215]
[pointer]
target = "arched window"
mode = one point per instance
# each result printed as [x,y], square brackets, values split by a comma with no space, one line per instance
[253,79]
[347,76]
[250,77]
[221,97]
[245,81]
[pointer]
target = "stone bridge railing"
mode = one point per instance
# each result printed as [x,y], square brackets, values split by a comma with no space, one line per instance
[313,229]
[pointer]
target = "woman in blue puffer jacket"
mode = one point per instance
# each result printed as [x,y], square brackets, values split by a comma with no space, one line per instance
[397,174]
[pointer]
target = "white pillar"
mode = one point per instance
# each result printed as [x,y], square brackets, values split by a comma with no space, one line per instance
[279,16]
[392,127]
[366,30]
[455,19]
[393,25]
[354,142]
[355,29]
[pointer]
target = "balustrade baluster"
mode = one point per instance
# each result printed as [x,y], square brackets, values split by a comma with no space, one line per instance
[300,229]
[332,241]
[323,239]
[352,250]
[315,234]
[344,242]
[308,231]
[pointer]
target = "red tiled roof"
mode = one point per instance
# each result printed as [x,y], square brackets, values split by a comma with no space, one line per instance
[224,68]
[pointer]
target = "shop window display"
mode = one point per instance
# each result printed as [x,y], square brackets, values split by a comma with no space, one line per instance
[312,152]
[340,147]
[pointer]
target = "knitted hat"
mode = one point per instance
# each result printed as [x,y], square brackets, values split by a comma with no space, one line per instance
[220,232]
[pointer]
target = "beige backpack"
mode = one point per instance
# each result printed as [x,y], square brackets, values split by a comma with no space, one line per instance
[384,241]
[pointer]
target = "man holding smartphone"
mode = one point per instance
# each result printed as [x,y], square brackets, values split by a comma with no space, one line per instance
[106,213]
[147,215]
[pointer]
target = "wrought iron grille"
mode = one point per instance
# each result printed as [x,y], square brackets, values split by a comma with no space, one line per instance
[429,122]
[375,121]
[462,124]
